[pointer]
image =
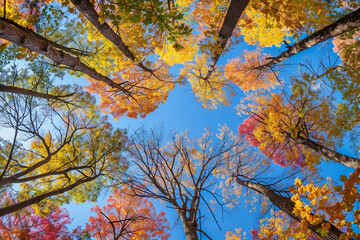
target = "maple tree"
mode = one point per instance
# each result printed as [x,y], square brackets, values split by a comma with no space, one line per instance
[295,219]
[128,217]
[311,211]
[269,129]
[283,148]
[152,87]
[254,71]
[122,217]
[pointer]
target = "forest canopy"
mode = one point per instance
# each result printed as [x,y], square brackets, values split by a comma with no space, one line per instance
[290,70]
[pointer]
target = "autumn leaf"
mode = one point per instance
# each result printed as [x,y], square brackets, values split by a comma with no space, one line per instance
[243,72]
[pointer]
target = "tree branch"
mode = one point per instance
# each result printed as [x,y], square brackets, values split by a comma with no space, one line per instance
[339,27]
[32,41]
[15,207]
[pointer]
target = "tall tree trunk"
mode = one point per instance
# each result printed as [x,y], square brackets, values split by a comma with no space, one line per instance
[85,7]
[287,206]
[189,227]
[330,154]
[32,41]
[232,17]
[339,27]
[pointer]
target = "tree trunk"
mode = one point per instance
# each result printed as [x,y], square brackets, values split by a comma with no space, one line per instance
[30,40]
[286,205]
[189,227]
[330,154]
[232,17]
[22,91]
[339,27]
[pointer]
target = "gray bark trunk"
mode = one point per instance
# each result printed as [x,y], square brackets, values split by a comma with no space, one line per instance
[22,91]
[232,17]
[30,40]
[339,27]
[330,154]
[189,229]
[287,206]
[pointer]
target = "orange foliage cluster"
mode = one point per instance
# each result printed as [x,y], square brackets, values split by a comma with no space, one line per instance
[128,217]
[243,72]
[146,92]
[209,15]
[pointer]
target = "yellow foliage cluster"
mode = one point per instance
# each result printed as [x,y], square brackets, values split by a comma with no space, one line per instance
[258,29]
[184,3]
[328,204]
[281,226]
[146,90]
[109,60]
[181,52]
[231,235]
[276,21]
[211,92]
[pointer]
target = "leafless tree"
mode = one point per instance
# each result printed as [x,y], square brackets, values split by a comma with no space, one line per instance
[181,172]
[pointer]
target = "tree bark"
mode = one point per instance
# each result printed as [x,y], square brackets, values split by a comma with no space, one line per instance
[330,154]
[18,206]
[339,27]
[286,205]
[30,40]
[85,7]
[189,227]
[12,179]
[232,17]
[23,91]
